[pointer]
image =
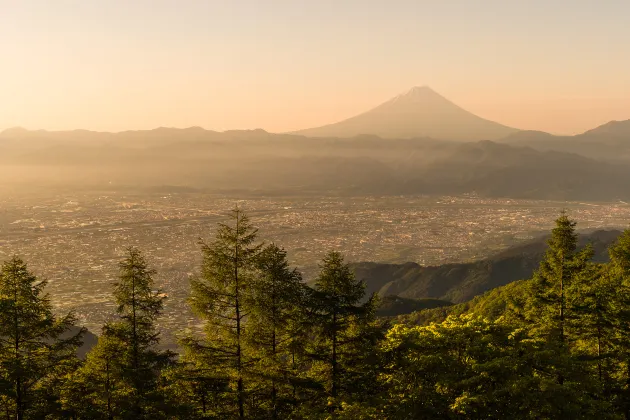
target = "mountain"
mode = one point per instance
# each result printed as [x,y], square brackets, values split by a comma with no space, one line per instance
[461,282]
[610,141]
[420,112]
[612,129]
[492,169]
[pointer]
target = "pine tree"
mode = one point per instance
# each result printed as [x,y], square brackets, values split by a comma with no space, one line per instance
[548,310]
[197,388]
[340,327]
[221,297]
[618,274]
[96,390]
[591,300]
[121,377]
[276,300]
[37,349]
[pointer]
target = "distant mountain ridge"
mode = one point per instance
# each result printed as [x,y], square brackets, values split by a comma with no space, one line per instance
[610,141]
[523,165]
[460,282]
[421,112]
[260,161]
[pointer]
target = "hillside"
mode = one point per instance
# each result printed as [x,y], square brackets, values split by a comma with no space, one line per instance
[392,305]
[610,141]
[492,304]
[461,282]
[498,170]
[421,112]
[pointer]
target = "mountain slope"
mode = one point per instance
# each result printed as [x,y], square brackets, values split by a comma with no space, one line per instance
[498,170]
[421,112]
[461,282]
[392,305]
[612,129]
[610,141]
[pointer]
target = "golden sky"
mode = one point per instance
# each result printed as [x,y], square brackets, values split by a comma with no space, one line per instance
[289,64]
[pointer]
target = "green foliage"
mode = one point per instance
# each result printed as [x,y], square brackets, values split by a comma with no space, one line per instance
[393,305]
[469,367]
[277,294]
[35,357]
[555,346]
[221,297]
[492,305]
[122,374]
[343,332]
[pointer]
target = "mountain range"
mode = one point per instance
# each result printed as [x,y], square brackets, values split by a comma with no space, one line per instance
[412,144]
[610,142]
[262,162]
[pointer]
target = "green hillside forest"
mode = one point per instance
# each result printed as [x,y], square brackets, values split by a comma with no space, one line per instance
[268,346]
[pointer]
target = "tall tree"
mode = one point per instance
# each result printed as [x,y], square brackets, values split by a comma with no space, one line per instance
[591,300]
[342,328]
[198,386]
[221,297]
[37,349]
[276,302]
[548,311]
[121,377]
[618,273]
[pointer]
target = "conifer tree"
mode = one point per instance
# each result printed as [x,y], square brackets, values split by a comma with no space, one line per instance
[618,273]
[221,297]
[276,300]
[548,310]
[340,325]
[591,300]
[470,368]
[121,378]
[198,389]
[37,349]
[97,390]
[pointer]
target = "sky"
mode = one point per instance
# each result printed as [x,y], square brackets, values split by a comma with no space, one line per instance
[561,66]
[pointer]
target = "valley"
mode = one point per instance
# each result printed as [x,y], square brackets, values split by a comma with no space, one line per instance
[75,240]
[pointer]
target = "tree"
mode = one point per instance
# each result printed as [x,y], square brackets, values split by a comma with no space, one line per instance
[618,273]
[547,309]
[197,388]
[121,377]
[37,350]
[470,368]
[276,302]
[220,296]
[343,331]
[591,300]
[97,390]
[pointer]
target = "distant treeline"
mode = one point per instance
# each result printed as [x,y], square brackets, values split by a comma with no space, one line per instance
[275,348]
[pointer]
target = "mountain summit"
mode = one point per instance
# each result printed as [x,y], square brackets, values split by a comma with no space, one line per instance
[420,112]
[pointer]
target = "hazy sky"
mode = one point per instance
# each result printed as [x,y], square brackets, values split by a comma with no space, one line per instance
[556,65]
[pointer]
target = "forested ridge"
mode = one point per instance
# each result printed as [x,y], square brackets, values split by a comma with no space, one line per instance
[555,346]
[463,281]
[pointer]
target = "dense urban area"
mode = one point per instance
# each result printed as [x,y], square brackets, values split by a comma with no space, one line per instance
[76,240]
